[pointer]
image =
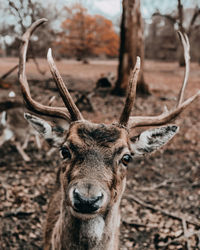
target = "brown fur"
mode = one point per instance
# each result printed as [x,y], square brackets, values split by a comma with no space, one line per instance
[84,211]
[96,150]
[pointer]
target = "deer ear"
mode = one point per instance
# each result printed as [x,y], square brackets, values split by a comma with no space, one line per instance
[54,135]
[151,140]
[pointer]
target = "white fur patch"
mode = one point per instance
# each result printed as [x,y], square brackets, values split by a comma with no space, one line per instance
[8,134]
[93,228]
[3,118]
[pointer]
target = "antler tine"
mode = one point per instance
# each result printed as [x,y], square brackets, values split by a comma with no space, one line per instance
[186,47]
[167,116]
[67,99]
[131,94]
[31,103]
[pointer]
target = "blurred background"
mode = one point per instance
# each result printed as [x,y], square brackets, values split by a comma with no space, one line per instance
[103,30]
[95,44]
[92,28]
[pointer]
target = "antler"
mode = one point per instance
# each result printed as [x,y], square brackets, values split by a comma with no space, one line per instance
[166,116]
[31,103]
[186,47]
[67,99]
[131,94]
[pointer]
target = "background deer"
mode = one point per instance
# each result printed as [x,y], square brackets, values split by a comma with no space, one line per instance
[84,211]
[14,128]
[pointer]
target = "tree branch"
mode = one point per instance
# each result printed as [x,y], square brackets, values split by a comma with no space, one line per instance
[164,212]
[193,19]
[173,20]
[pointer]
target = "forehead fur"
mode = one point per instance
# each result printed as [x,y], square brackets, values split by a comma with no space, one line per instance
[100,134]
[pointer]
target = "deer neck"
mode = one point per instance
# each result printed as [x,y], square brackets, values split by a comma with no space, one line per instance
[99,233]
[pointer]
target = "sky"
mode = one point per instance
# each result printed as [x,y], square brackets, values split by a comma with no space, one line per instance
[113,8]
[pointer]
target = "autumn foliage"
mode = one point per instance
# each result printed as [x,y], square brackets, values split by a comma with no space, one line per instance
[86,35]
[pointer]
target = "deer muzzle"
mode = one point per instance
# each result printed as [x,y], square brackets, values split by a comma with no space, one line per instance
[86,205]
[88,198]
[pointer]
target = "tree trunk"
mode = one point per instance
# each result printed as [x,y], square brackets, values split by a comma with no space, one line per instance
[131,45]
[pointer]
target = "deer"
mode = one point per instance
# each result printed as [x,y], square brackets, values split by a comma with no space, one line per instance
[84,211]
[14,128]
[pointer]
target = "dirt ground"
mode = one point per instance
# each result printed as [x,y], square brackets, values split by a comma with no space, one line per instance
[161,205]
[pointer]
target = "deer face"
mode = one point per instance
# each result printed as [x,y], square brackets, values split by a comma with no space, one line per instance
[94,166]
[95,160]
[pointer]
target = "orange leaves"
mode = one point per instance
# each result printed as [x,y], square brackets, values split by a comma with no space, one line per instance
[86,35]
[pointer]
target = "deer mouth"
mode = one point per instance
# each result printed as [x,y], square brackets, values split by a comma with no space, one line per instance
[83,216]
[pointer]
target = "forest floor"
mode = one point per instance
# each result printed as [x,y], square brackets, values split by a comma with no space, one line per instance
[161,205]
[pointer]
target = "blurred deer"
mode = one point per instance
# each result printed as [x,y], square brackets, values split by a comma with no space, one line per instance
[14,128]
[84,210]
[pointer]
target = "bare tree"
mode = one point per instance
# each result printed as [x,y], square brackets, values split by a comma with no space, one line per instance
[26,12]
[177,20]
[131,45]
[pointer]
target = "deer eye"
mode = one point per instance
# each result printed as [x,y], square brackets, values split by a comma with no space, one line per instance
[126,159]
[65,153]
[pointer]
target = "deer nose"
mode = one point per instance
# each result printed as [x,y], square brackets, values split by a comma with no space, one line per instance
[86,205]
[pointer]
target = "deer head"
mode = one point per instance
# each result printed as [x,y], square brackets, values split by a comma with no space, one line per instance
[96,156]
